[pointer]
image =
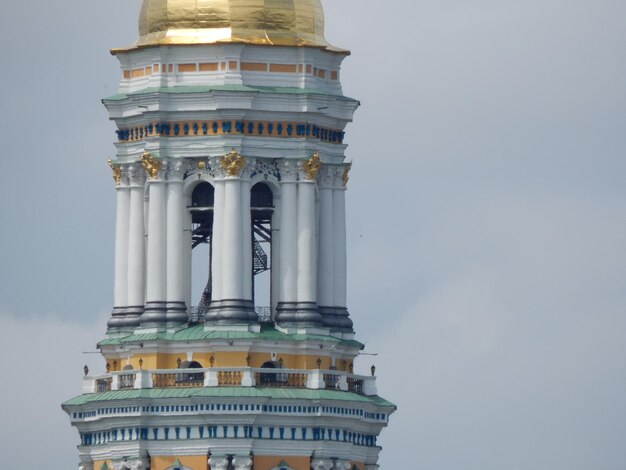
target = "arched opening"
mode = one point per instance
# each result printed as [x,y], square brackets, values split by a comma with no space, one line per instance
[190,378]
[127,380]
[265,378]
[262,208]
[201,208]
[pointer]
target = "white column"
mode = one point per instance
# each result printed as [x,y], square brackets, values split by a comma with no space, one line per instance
[232,268]
[217,242]
[175,253]
[339,202]
[307,243]
[156,253]
[136,242]
[288,234]
[326,269]
[246,243]
[120,290]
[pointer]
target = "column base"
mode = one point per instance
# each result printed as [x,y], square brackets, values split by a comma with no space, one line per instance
[298,314]
[176,313]
[337,319]
[155,313]
[125,317]
[231,312]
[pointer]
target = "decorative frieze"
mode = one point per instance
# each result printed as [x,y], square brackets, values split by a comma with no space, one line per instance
[281,129]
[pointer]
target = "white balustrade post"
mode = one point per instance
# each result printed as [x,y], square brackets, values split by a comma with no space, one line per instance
[247,378]
[115,382]
[210,378]
[342,383]
[89,385]
[369,386]
[315,380]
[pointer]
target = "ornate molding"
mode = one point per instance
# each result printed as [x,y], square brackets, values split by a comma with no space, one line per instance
[311,167]
[232,163]
[138,464]
[280,129]
[343,465]
[117,172]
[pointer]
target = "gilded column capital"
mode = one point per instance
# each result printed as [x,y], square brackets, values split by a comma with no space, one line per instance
[136,174]
[345,176]
[232,163]
[116,169]
[311,167]
[151,165]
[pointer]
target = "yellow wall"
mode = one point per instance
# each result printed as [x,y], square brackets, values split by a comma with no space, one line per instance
[264,462]
[153,361]
[197,462]
[98,463]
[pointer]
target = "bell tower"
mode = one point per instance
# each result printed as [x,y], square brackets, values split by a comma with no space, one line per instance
[230,136]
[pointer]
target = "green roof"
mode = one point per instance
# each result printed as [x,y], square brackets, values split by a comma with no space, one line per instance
[229,88]
[228,392]
[197,332]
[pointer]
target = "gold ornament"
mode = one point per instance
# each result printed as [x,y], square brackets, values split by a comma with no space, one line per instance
[201,165]
[151,165]
[232,163]
[117,172]
[346,174]
[311,167]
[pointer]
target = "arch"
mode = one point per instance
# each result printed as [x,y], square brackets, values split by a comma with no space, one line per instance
[190,377]
[203,195]
[261,196]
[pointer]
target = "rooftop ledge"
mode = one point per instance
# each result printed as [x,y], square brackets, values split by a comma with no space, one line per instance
[315,379]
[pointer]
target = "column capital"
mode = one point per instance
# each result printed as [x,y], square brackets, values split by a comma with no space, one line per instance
[327,176]
[232,164]
[136,174]
[321,464]
[343,465]
[151,165]
[118,173]
[242,462]
[342,175]
[218,462]
[175,170]
[288,171]
[310,168]
[85,466]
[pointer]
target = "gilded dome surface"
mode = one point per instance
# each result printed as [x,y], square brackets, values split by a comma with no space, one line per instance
[266,22]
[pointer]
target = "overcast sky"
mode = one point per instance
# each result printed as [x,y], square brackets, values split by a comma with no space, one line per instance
[486,212]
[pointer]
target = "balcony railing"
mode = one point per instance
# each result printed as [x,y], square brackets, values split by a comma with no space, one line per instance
[198,314]
[231,377]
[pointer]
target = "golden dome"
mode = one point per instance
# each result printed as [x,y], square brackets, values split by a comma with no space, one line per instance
[265,22]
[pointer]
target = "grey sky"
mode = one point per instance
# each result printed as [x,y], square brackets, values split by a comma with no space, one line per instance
[486,218]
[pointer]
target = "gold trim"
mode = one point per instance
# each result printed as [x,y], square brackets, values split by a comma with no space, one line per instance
[150,164]
[311,167]
[346,174]
[232,163]
[117,172]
